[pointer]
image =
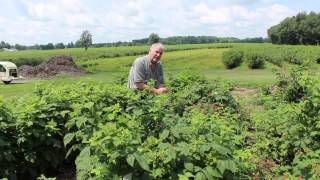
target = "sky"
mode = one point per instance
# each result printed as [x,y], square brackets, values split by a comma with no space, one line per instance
[31,22]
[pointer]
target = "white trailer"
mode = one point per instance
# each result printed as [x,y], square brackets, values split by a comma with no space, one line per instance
[8,72]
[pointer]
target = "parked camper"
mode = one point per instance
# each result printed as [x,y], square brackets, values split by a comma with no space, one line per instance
[8,72]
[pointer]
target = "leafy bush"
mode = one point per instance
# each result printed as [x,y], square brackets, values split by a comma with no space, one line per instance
[232,58]
[192,131]
[179,135]
[288,133]
[255,60]
[291,89]
[7,142]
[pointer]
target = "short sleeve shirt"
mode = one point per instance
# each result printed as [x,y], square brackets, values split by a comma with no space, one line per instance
[141,71]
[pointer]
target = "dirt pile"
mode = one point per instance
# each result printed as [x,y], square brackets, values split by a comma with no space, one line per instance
[54,66]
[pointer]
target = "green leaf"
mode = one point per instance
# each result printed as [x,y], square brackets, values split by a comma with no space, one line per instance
[114,155]
[130,160]
[213,172]
[189,166]
[142,162]
[164,135]
[157,172]
[72,149]
[220,149]
[183,177]
[29,123]
[89,105]
[172,153]
[68,138]
[80,121]
[188,174]
[63,113]
[200,176]
[83,159]
[197,169]
[222,165]
[232,166]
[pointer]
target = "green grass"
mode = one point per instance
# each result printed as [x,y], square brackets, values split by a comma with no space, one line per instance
[205,61]
[93,53]
[107,70]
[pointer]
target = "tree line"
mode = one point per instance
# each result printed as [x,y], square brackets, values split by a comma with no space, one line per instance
[197,40]
[86,42]
[303,28]
[153,37]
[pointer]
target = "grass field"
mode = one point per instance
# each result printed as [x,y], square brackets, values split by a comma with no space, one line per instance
[107,70]
[79,54]
[204,59]
[258,112]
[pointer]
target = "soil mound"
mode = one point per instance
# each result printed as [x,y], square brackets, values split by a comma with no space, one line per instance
[55,65]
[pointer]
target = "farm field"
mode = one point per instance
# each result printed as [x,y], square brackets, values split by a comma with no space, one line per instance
[240,101]
[215,123]
[36,56]
[203,61]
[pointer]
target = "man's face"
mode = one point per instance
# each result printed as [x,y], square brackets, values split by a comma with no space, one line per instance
[155,54]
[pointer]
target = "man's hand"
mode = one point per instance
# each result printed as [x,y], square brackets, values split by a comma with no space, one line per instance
[160,90]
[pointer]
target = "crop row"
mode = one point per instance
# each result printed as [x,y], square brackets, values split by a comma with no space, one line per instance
[195,131]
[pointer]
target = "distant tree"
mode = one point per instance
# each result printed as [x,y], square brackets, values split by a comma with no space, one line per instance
[5,45]
[50,46]
[140,41]
[153,38]
[70,45]
[85,39]
[253,40]
[78,44]
[300,29]
[59,46]
[47,47]
[20,47]
[36,46]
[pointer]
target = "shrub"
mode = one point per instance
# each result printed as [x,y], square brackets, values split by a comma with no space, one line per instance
[255,61]
[232,58]
[290,131]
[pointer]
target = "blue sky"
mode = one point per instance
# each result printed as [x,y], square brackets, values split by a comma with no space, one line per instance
[42,21]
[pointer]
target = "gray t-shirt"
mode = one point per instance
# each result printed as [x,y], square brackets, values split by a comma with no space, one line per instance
[141,71]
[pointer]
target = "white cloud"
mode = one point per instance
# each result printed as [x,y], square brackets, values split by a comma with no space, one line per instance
[43,21]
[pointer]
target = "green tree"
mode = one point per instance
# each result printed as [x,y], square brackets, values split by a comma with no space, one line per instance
[70,45]
[85,39]
[153,38]
[47,47]
[300,29]
[60,46]
[20,47]
[5,45]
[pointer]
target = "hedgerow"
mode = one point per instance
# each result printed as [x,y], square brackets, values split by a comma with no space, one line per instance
[196,130]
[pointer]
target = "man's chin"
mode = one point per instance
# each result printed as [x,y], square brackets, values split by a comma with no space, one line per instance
[155,61]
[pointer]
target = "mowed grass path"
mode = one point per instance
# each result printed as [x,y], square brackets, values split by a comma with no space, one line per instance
[206,62]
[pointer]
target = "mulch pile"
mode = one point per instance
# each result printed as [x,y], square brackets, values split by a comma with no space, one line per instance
[55,65]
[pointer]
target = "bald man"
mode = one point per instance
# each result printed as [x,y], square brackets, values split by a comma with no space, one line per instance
[148,68]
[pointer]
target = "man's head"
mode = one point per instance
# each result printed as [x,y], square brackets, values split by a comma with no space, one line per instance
[155,52]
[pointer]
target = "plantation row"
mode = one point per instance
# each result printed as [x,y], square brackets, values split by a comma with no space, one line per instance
[35,57]
[197,131]
[256,56]
[194,131]
[288,130]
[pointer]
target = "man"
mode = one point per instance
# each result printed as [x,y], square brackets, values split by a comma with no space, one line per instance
[148,68]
